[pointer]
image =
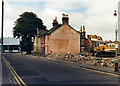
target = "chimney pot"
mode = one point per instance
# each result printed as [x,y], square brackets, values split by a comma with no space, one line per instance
[81,29]
[55,22]
[65,19]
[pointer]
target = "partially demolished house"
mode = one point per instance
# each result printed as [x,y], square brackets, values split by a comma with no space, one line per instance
[61,38]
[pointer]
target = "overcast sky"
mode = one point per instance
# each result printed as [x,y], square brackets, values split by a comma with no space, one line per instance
[96,15]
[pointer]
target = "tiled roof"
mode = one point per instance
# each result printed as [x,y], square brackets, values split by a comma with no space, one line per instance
[42,32]
[48,32]
[54,29]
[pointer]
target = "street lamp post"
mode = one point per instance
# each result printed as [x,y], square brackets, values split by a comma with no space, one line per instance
[2,30]
[116,46]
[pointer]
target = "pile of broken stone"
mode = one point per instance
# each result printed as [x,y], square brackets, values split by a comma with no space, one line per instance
[90,60]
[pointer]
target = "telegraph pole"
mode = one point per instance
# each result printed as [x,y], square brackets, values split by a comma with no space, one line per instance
[2,30]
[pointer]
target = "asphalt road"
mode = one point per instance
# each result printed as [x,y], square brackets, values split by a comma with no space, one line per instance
[41,71]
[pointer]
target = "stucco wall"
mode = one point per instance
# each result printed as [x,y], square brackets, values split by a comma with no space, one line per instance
[39,44]
[64,40]
[47,44]
[35,46]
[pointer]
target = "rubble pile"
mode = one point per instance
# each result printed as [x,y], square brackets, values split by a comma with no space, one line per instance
[90,60]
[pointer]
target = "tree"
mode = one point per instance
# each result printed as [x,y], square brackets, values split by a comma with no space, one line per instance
[26,28]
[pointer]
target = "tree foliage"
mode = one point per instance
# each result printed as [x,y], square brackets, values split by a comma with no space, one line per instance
[26,28]
[27,25]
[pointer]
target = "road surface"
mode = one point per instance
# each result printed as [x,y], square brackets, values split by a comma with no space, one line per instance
[42,71]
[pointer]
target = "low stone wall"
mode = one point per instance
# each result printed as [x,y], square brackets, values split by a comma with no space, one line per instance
[90,60]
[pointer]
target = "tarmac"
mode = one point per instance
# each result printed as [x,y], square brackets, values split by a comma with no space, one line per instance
[6,80]
[77,64]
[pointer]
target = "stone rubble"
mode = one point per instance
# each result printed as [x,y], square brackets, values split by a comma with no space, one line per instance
[90,60]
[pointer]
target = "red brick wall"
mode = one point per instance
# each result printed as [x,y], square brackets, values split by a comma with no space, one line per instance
[64,40]
[87,45]
[42,41]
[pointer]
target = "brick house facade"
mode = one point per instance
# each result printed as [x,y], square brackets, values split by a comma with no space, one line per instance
[62,38]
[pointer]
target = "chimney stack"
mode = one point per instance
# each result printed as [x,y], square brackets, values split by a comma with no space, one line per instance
[65,19]
[55,22]
[83,28]
[84,33]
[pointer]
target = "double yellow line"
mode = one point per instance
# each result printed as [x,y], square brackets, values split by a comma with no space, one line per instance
[16,76]
[20,81]
[96,71]
[100,72]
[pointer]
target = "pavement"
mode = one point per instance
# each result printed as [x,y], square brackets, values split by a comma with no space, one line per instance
[5,76]
[77,64]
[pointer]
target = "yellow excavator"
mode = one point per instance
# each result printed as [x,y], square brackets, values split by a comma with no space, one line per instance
[91,42]
[105,48]
[90,37]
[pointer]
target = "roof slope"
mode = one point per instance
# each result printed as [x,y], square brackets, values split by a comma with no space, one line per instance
[54,29]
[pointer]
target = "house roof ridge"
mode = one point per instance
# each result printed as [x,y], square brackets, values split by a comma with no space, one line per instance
[54,29]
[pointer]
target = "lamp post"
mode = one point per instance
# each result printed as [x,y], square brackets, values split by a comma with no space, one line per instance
[2,30]
[116,45]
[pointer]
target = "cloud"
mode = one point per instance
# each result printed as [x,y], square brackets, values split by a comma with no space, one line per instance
[11,13]
[61,0]
[48,15]
[76,20]
[63,5]
[102,25]
[98,17]
[8,28]
[100,20]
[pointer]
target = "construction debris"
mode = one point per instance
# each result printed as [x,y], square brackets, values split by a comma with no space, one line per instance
[90,60]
